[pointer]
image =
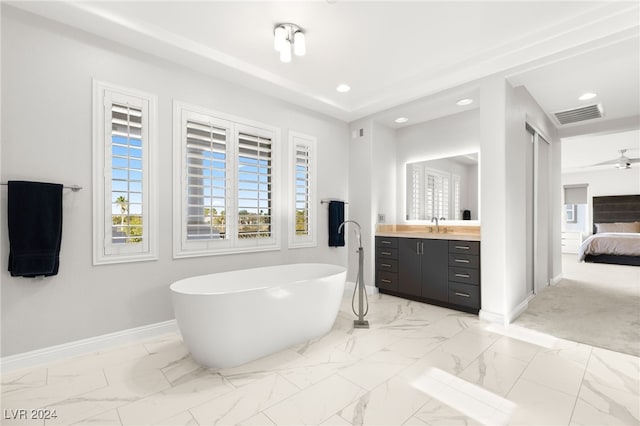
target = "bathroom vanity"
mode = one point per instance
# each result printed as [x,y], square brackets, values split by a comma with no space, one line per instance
[437,268]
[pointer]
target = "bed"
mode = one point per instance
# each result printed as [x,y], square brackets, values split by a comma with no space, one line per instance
[616,231]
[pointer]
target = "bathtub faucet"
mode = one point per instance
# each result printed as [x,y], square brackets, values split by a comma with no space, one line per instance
[362,299]
[358,231]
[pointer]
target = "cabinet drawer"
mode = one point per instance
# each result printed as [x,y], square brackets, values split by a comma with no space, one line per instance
[387,280]
[387,265]
[386,253]
[386,242]
[464,275]
[464,295]
[464,247]
[463,260]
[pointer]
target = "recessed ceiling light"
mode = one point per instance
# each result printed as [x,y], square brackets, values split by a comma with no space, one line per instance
[401,120]
[343,88]
[587,96]
[465,101]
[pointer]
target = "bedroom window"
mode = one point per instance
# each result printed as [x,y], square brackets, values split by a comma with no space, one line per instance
[225,177]
[123,178]
[302,178]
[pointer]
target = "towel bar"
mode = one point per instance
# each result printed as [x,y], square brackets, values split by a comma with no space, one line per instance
[328,201]
[74,188]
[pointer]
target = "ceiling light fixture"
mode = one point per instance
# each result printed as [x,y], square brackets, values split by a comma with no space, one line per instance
[343,88]
[587,96]
[465,101]
[286,37]
[401,120]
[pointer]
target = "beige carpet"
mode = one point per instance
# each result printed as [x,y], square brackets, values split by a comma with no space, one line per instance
[596,304]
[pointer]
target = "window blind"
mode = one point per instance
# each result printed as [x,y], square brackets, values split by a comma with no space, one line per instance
[457,213]
[126,175]
[206,158]
[575,194]
[254,186]
[416,210]
[302,189]
[437,195]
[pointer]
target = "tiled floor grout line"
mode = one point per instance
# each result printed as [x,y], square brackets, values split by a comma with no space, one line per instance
[584,373]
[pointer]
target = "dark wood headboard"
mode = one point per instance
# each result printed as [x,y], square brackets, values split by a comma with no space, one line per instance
[616,208]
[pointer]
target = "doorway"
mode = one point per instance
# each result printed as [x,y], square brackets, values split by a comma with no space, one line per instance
[539,219]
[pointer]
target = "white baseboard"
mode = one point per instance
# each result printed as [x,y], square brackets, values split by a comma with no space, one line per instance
[348,288]
[491,317]
[518,310]
[85,346]
[555,280]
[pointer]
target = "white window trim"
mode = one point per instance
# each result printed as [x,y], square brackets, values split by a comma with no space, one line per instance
[297,241]
[101,211]
[184,249]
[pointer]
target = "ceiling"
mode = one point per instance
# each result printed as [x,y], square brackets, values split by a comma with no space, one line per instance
[400,58]
[580,153]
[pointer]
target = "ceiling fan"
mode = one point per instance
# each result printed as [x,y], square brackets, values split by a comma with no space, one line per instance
[622,162]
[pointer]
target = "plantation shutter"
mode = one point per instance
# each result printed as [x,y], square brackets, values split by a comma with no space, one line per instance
[206,157]
[125,187]
[302,189]
[457,213]
[417,200]
[254,186]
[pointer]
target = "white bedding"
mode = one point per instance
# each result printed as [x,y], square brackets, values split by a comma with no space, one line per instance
[612,243]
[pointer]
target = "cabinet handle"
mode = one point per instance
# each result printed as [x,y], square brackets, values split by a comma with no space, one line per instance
[385,281]
[462,275]
[463,247]
[462,294]
[461,260]
[385,242]
[385,253]
[385,265]
[421,248]
[418,247]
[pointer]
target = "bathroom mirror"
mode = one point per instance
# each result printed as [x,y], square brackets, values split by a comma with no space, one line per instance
[446,188]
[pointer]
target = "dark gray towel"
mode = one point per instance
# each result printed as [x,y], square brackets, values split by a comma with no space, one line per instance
[35,228]
[336,217]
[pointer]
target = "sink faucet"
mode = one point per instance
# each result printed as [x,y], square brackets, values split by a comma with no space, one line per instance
[437,226]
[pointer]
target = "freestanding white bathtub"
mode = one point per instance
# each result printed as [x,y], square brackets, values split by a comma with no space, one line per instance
[229,318]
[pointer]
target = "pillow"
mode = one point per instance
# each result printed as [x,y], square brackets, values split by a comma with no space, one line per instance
[618,227]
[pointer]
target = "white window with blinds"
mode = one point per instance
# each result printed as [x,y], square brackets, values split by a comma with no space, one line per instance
[125,228]
[437,194]
[432,193]
[302,193]
[224,178]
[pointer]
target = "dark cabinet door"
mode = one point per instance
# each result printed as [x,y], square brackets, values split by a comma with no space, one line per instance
[409,259]
[435,269]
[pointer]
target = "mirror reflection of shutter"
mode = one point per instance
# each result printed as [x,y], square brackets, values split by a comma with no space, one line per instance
[457,213]
[416,203]
[302,189]
[126,175]
[206,181]
[431,197]
[254,186]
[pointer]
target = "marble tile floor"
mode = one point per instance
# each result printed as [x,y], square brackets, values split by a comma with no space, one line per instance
[417,365]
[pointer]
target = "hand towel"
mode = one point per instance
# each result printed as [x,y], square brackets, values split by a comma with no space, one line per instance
[336,217]
[35,228]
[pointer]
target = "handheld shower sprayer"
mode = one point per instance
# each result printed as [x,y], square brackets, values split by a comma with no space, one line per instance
[362,311]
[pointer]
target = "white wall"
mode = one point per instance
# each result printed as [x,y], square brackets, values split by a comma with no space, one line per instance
[522,108]
[444,137]
[383,173]
[47,72]
[360,193]
[605,182]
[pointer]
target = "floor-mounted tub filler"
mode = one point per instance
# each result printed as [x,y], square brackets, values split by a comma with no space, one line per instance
[230,318]
[362,294]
